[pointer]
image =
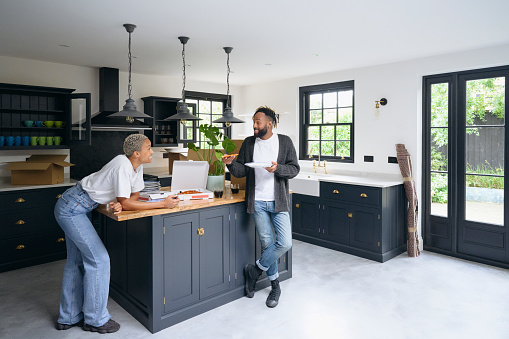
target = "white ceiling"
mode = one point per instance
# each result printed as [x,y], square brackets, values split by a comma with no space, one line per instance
[285,34]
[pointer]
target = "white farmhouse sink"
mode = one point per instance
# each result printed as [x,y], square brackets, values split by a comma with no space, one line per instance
[306,183]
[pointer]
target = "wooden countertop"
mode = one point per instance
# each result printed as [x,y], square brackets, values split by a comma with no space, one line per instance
[184,205]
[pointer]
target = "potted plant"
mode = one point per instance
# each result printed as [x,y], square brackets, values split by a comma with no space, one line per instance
[213,154]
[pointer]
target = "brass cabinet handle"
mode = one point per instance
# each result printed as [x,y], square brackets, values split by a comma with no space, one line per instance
[350,215]
[201,231]
[20,200]
[60,240]
[20,247]
[364,195]
[20,222]
[58,196]
[297,205]
[335,192]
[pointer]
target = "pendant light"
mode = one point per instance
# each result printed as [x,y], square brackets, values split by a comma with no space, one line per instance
[228,119]
[183,113]
[129,110]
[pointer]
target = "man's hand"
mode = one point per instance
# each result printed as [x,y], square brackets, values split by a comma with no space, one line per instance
[116,207]
[228,160]
[171,201]
[272,168]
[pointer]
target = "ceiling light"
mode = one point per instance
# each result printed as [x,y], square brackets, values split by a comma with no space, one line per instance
[129,110]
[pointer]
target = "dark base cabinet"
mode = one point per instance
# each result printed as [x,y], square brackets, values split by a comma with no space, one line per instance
[168,268]
[365,221]
[29,233]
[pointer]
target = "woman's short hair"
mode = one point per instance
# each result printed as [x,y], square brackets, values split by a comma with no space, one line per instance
[134,142]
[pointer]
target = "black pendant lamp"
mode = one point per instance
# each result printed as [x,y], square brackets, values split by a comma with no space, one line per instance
[183,113]
[228,119]
[129,110]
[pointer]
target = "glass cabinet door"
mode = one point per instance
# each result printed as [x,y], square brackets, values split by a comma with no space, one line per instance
[79,131]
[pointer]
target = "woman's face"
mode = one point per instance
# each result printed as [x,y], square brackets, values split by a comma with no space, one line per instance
[146,152]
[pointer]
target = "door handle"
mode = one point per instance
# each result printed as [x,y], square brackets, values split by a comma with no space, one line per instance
[335,192]
[364,195]
[20,200]
[20,222]
[58,196]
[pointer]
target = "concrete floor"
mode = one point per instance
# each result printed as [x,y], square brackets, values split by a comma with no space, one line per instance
[331,295]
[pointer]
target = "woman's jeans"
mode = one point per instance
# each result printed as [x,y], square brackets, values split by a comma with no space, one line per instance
[86,279]
[264,215]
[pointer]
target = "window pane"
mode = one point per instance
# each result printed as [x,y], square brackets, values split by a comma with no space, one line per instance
[329,116]
[313,147]
[343,133]
[315,117]
[315,101]
[345,114]
[484,150]
[327,132]
[439,105]
[345,98]
[330,100]
[486,101]
[327,147]
[342,149]
[485,199]
[314,133]
[439,152]
[205,117]
[204,106]
[439,194]
[217,107]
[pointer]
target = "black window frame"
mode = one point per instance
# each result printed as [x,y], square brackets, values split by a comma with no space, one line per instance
[304,93]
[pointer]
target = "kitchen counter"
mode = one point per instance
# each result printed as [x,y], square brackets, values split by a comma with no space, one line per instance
[5,185]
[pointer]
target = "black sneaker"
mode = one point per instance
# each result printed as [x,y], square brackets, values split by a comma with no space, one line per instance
[251,273]
[275,293]
[110,327]
[63,327]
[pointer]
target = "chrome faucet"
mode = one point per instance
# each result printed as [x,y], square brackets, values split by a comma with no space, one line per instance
[319,164]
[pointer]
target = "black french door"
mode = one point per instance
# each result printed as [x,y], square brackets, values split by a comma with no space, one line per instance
[464,152]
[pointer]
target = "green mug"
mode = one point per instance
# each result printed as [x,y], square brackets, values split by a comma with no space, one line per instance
[42,141]
[33,141]
[48,123]
[59,124]
[57,140]
[49,140]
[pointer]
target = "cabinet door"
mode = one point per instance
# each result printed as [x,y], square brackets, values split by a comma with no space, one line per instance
[334,222]
[305,214]
[245,237]
[181,261]
[214,251]
[79,121]
[365,228]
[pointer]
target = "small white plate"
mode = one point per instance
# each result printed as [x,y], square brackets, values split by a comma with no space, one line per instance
[258,164]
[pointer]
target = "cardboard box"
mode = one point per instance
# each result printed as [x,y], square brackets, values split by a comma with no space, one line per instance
[41,169]
[176,155]
[190,175]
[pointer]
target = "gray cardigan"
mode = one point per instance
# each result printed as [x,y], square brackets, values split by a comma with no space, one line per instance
[287,168]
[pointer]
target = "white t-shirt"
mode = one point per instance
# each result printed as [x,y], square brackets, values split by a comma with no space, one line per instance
[265,151]
[116,179]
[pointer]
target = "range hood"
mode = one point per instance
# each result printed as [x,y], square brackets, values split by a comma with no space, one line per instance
[108,104]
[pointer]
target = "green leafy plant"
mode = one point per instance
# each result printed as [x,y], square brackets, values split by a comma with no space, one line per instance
[212,154]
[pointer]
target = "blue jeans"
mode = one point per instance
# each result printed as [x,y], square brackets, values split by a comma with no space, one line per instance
[86,280]
[272,250]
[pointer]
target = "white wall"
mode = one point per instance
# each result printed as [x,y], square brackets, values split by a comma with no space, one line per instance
[86,80]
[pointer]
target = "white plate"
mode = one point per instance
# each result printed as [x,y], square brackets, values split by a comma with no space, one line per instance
[258,164]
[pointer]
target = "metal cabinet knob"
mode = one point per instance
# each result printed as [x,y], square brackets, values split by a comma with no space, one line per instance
[297,205]
[201,231]
[335,192]
[58,196]
[20,200]
[350,215]
[20,247]
[60,240]
[20,222]
[364,195]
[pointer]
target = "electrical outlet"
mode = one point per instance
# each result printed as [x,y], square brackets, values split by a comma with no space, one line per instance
[392,160]
[369,158]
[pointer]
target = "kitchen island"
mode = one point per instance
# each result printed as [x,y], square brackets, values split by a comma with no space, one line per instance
[168,265]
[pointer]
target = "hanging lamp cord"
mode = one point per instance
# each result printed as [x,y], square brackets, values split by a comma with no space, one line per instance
[228,80]
[129,87]
[183,71]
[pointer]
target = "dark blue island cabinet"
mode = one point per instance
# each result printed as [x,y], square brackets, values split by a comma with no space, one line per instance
[167,268]
[365,221]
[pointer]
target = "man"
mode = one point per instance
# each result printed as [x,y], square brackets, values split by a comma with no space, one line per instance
[86,278]
[267,196]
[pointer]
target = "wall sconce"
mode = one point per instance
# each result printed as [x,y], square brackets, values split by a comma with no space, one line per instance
[382,102]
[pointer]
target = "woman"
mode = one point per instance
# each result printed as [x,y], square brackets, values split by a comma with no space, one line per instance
[86,280]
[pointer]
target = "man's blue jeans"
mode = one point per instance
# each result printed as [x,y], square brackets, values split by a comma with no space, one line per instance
[264,215]
[86,280]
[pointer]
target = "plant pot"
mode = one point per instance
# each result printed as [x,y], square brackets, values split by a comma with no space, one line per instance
[214,181]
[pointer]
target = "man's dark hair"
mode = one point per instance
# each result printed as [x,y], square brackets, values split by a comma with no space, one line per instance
[268,112]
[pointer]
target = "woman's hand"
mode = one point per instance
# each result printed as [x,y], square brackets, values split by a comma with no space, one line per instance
[116,207]
[171,201]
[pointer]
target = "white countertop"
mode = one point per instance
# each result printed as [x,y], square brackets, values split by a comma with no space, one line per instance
[372,180]
[5,185]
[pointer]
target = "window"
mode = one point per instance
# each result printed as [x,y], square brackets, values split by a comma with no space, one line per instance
[326,120]
[209,107]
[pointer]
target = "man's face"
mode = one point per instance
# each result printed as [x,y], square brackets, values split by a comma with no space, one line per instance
[146,152]
[261,124]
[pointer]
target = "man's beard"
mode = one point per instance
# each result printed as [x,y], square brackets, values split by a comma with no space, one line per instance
[261,132]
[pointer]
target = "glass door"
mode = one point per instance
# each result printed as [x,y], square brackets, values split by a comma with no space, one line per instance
[79,121]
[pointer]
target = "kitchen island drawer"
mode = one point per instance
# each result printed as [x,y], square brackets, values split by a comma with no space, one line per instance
[29,199]
[26,248]
[351,193]
[16,224]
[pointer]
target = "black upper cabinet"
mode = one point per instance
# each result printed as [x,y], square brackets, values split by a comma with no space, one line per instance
[20,103]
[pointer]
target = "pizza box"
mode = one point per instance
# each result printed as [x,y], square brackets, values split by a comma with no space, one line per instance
[190,176]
